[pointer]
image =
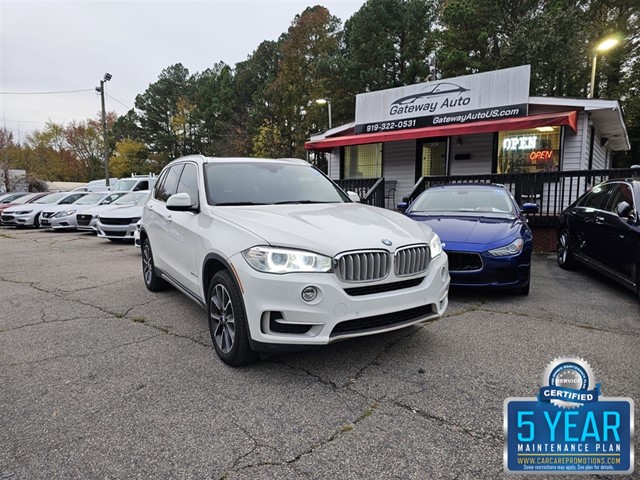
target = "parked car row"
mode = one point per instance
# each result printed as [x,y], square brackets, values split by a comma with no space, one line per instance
[112,215]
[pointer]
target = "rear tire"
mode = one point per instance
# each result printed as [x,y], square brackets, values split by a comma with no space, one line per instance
[152,280]
[564,255]
[228,321]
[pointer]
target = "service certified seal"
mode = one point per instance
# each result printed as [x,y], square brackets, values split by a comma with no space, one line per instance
[569,382]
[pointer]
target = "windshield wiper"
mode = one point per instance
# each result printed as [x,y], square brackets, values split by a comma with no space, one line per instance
[231,204]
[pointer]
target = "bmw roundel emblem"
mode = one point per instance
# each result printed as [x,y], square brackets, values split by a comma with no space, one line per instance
[388,243]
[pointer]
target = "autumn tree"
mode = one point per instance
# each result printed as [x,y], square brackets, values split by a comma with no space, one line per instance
[312,38]
[130,157]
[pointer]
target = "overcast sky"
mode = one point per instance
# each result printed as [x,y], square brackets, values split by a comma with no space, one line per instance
[52,46]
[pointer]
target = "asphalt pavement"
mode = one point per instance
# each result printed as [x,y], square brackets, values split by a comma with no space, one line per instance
[101,379]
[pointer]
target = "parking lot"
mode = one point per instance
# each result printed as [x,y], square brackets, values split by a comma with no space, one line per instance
[103,379]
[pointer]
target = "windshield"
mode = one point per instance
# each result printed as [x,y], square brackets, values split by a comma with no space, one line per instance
[53,198]
[268,183]
[463,200]
[11,197]
[123,185]
[132,198]
[90,199]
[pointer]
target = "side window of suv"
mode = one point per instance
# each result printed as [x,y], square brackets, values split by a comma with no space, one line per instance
[169,184]
[189,183]
[143,185]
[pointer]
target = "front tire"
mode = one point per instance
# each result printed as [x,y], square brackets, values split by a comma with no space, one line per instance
[228,321]
[36,221]
[152,280]
[564,254]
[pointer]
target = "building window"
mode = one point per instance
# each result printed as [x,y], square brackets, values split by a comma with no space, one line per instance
[529,151]
[363,161]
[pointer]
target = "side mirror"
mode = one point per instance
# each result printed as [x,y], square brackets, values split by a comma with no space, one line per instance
[353,196]
[402,206]
[530,208]
[180,202]
[623,209]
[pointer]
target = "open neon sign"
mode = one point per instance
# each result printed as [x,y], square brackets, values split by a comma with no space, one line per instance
[540,155]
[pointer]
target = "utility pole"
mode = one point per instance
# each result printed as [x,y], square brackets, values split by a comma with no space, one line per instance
[105,138]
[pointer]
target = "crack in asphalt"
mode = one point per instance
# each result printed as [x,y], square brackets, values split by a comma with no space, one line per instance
[345,429]
[84,355]
[554,319]
[374,404]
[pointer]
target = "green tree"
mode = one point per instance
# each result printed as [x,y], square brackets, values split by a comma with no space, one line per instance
[157,109]
[387,44]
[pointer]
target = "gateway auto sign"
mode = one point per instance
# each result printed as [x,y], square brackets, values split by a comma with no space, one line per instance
[472,98]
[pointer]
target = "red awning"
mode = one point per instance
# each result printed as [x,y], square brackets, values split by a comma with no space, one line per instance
[569,119]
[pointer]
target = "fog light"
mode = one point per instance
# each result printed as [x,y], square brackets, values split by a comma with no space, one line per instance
[309,294]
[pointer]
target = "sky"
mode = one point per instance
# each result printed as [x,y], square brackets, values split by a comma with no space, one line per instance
[62,46]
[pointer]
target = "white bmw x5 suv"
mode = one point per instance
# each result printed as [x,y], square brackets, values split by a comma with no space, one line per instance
[280,257]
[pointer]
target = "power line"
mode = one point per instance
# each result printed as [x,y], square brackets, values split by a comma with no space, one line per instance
[114,98]
[47,93]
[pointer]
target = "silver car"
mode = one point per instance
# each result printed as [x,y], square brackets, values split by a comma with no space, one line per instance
[87,220]
[63,217]
[28,215]
[120,223]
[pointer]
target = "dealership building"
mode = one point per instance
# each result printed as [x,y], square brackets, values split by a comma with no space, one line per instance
[482,127]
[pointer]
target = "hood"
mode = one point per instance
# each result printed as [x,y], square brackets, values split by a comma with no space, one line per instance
[326,228]
[471,229]
[30,207]
[124,211]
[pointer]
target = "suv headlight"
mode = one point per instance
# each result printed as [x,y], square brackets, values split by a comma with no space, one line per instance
[435,245]
[64,214]
[284,260]
[513,248]
[134,220]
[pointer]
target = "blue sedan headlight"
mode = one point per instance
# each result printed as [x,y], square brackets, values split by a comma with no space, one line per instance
[513,248]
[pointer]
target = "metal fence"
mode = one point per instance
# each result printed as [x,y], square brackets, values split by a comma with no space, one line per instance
[370,190]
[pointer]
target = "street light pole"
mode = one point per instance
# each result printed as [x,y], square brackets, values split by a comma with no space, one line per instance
[327,101]
[592,88]
[105,138]
[602,47]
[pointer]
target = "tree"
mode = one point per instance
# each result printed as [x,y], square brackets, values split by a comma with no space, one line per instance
[130,156]
[158,108]
[268,143]
[387,44]
[311,40]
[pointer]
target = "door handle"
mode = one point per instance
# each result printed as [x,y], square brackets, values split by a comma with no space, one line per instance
[599,220]
[169,218]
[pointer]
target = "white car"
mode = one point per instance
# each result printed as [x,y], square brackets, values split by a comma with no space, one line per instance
[137,183]
[120,223]
[280,257]
[87,220]
[63,217]
[28,215]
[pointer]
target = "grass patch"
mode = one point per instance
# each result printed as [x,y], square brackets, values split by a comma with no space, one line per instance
[139,319]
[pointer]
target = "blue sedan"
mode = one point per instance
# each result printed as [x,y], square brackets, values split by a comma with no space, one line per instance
[483,231]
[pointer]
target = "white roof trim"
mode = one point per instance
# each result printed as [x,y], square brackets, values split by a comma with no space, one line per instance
[334,131]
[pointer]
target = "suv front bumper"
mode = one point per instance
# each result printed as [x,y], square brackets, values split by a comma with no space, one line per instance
[278,316]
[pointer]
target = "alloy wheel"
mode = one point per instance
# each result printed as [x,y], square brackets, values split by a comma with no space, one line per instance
[147,263]
[223,319]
